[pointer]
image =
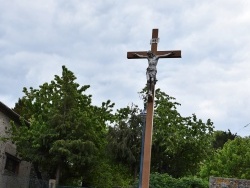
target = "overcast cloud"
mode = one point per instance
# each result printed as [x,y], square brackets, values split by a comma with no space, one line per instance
[91,38]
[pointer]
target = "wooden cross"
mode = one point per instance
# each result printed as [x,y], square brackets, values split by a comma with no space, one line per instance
[147,143]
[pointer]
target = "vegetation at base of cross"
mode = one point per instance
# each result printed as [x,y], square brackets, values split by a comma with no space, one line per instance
[88,145]
[164,180]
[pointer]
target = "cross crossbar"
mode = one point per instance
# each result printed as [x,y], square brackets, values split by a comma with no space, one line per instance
[176,54]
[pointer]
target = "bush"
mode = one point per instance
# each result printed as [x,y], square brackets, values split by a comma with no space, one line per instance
[164,180]
[191,182]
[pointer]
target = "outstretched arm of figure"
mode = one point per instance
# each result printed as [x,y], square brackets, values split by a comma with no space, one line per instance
[166,55]
[138,55]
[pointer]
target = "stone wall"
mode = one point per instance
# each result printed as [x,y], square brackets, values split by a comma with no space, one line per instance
[218,182]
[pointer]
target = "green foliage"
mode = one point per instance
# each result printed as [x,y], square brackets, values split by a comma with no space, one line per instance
[107,174]
[69,132]
[221,137]
[161,180]
[191,182]
[164,180]
[104,173]
[65,128]
[179,143]
[233,161]
[124,138]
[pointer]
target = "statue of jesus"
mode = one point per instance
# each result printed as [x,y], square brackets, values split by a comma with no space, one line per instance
[151,70]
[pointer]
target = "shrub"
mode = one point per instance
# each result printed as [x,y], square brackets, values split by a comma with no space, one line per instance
[164,180]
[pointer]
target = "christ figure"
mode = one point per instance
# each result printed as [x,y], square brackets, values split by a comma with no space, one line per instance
[151,70]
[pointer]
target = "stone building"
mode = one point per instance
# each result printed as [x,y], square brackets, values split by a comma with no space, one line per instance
[14,172]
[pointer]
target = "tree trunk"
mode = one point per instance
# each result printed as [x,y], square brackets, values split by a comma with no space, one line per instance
[58,174]
[37,171]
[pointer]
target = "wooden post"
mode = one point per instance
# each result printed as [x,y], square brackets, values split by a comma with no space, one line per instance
[149,127]
[147,144]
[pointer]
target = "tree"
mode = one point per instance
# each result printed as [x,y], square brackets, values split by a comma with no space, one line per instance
[179,143]
[124,138]
[221,137]
[66,131]
[232,161]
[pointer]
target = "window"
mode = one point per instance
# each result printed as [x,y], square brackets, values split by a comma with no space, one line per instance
[12,164]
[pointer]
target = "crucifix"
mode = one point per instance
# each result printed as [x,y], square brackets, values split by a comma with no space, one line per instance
[152,56]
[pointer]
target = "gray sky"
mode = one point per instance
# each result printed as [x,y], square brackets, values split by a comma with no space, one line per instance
[91,38]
